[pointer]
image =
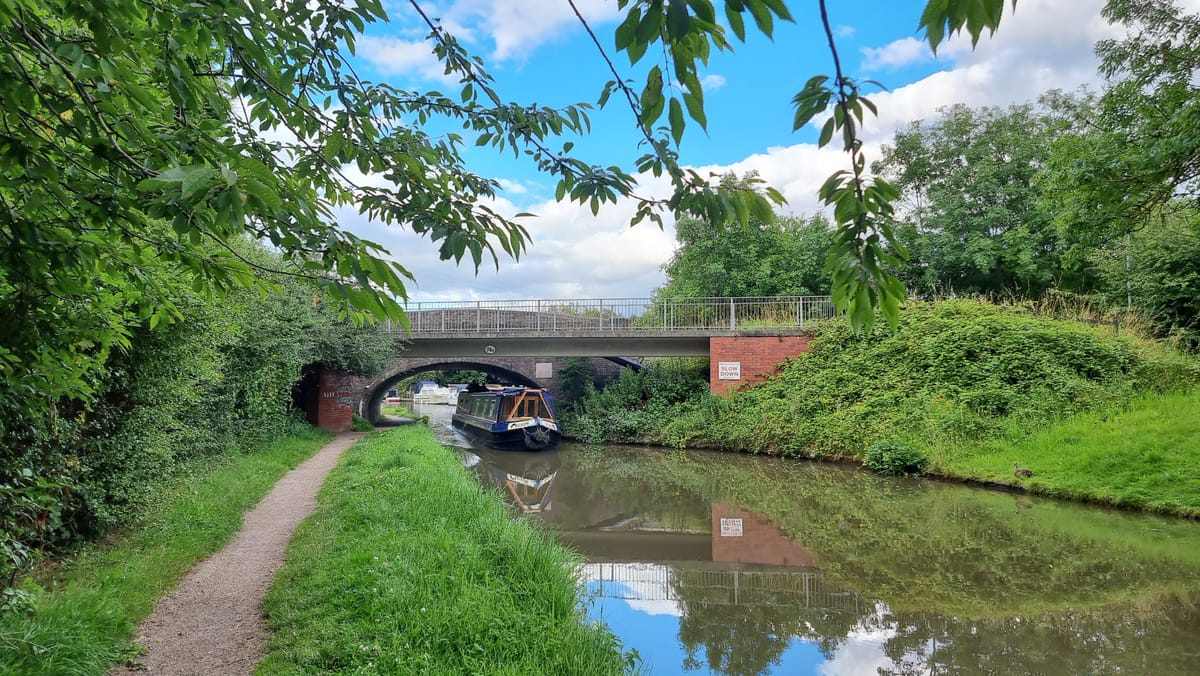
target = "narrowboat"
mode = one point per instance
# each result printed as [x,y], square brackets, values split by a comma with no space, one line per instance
[509,419]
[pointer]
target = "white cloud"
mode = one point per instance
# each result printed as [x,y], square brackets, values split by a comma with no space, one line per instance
[844,31]
[571,254]
[576,254]
[517,28]
[394,56]
[862,652]
[513,187]
[712,82]
[902,52]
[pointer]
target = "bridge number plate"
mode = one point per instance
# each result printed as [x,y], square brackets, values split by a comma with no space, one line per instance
[729,370]
[731,528]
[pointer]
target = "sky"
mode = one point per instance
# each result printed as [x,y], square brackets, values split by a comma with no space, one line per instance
[537,51]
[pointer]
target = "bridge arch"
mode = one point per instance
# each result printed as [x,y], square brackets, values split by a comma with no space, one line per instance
[377,389]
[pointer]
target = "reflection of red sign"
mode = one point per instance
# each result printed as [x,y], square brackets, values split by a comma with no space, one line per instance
[757,539]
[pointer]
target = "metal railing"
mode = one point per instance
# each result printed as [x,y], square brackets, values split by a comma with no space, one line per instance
[615,314]
[663,582]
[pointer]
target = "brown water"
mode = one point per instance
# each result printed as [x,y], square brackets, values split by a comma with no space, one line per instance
[726,564]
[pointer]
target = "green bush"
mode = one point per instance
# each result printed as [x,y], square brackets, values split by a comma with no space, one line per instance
[214,379]
[361,424]
[954,372]
[895,457]
[638,405]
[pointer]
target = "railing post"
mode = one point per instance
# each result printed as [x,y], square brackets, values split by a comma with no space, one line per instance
[443,320]
[664,315]
[732,315]
[539,316]
[478,318]
[601,314]
[800,311]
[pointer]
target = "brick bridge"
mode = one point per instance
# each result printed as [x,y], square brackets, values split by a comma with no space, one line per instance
[543,372]
[524,341]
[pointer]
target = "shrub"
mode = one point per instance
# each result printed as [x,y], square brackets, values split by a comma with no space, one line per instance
[895,457]
[361,424]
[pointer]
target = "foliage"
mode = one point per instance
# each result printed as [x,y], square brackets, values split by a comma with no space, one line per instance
[1144,457]
[783,256]
[82,621]
[360,424]
[890,456]
[971,215]
[215,380]
[1133,157]
[575,378]
[410,566]
[956,372]
[635,405]
[1157,270]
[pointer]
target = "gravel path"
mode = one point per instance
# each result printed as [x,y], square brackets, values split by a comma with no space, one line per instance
[213,623]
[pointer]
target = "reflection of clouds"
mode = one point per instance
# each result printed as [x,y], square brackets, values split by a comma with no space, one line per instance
[645,587]
[862,652]
[656,607]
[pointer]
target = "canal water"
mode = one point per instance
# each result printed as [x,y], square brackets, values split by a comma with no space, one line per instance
[709,563]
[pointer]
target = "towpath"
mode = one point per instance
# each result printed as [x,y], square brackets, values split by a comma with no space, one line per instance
[213,623]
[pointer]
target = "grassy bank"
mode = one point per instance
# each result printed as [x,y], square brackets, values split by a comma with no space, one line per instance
[409,566]
[964,388]
[1146,457]
[84,614]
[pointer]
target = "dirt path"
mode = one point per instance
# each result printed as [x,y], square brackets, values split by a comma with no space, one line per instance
[213,623]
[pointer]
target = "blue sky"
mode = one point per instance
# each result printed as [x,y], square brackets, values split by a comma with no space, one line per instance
[538,52]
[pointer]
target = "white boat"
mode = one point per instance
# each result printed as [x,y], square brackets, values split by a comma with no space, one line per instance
[429,392]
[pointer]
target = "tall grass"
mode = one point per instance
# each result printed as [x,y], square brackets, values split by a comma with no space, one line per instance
[1146,457]
[409,566]
[84,614]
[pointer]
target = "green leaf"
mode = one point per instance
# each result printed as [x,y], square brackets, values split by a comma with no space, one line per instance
[675,116]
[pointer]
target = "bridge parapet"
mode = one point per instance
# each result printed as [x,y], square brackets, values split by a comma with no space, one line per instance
[615,315]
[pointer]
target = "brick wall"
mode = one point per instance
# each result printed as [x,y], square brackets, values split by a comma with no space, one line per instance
[748,537]
[756,357]
[330,405]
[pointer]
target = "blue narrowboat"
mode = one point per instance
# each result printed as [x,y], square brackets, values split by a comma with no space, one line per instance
[510,419]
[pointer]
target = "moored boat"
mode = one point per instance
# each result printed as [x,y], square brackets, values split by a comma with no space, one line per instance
[510,419]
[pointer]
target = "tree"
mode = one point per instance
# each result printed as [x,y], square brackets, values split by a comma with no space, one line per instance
[971,215]
[779,257]
[1157,270]
[1134,157]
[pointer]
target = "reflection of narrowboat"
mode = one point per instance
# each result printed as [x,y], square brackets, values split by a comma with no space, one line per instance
[528,478]
[511,419]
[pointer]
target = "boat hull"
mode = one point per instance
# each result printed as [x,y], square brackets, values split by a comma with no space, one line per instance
[534,437]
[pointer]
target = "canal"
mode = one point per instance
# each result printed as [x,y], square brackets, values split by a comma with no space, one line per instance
[712,563]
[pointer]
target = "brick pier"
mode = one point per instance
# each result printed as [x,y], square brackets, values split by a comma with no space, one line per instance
[747,360]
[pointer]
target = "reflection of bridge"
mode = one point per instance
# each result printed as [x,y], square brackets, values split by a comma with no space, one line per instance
[717,584]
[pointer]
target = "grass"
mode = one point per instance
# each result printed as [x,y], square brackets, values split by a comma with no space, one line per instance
[83,618]
[410,566]
[1146,457]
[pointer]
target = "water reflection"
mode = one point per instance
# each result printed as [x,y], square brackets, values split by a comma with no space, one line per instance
[723,564]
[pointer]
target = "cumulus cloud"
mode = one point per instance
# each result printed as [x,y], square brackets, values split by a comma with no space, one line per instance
[712,82]
[576,254]
[515,29]
[897,54]
[393,56]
